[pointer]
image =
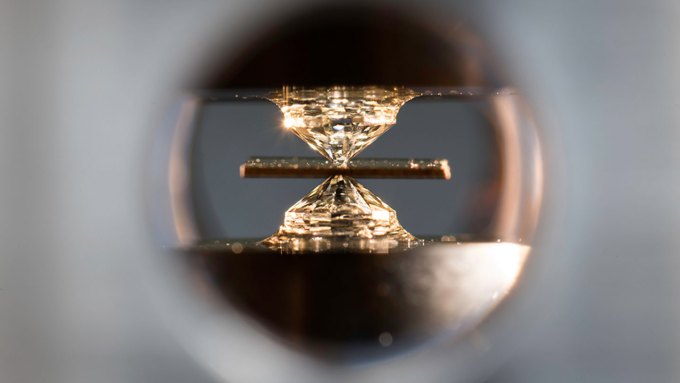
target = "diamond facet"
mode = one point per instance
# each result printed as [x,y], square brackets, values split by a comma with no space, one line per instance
[339,122]
[340,207]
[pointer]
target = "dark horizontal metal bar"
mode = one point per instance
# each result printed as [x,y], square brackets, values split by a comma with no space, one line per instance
[260,94]
[316,167]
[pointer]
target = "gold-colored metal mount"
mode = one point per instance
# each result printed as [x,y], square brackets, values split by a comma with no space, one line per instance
[314,167]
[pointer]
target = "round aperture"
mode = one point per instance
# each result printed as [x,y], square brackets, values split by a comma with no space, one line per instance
[358,181]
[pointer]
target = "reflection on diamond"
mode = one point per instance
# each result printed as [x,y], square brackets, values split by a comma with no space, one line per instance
[339,122]
[339,208]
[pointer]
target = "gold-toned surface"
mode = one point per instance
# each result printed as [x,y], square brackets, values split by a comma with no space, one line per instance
[340,121]
[312,167]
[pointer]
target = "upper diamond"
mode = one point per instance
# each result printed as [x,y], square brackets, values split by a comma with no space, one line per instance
[340,121]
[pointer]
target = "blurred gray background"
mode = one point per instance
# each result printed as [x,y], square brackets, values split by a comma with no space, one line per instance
[83,83]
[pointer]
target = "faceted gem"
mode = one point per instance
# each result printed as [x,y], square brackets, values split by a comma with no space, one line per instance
[340,207]
[339,122]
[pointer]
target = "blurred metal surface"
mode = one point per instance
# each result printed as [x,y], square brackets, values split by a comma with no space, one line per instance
[313,167]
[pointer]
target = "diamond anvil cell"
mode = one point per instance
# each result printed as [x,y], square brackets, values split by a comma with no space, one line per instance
[339,122]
